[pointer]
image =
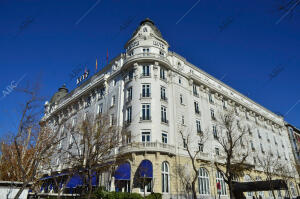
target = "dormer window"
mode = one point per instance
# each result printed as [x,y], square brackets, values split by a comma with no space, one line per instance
[145,50]
[162,53]
[130,53]
[145,29]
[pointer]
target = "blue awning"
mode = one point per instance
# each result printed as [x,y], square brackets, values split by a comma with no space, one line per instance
[146,169]
[75,181]
[123,172]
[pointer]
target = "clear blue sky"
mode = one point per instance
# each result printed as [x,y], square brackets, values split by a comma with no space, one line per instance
[236,41]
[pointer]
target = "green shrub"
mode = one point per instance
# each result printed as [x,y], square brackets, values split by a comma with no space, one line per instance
[101,194]
[135,196]
[154,196]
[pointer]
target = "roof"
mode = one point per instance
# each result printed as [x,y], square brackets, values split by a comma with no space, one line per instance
[62,91]
[150,23]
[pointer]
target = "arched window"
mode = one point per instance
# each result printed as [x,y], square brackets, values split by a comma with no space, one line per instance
[292,188]
[203,180]
[220,179]
[165,177]
[248,179]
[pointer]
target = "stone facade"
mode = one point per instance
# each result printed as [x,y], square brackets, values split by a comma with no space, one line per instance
[152,92]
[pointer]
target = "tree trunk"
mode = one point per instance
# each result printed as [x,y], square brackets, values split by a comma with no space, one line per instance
[90,184]
[273,193]
[194,188]
[21,190]
[231,194]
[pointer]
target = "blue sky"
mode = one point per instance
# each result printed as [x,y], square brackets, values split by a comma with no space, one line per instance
[236,41]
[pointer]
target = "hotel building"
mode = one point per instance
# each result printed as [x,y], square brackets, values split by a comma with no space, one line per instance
[155,93]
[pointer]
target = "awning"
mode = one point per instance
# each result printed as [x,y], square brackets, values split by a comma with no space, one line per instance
[75,181]
[123,172]
[146,169]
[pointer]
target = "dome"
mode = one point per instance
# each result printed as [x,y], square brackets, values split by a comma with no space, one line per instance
[151,24]
[62,91]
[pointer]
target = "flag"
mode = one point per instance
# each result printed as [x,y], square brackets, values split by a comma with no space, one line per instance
[96,65]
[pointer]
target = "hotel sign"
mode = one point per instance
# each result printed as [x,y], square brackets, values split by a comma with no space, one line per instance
[82,77]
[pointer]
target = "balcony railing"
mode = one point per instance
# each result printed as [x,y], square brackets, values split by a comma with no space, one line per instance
[145,95]
[147,56]
[145,75]
[145,118]
[164,98]
[147,146]
[164,120]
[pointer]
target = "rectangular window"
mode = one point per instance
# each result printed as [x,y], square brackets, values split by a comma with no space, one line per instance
[146,112]
[182,119]
[258,134]
[224,105]
[113,100]
[88,101]
[217,150]
[164,114]
[184,143]
[179,80]
[146,90]
[100,109]
[196,105]
[212,114]
[164,137]
[145,50]
[162,73]
[163,93]
[146,71]
[112,119]
[129,114]
[198,125]
[146,136]
[73,122]
[215,133]
[181,99]
[210,97]
[252,146]
[262,149]
[200,145]
[195,90]
[129,94]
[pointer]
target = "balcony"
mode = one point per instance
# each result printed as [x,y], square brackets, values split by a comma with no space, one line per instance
[213,117]
[164,98]
[146,57]
[144,75]
[145,118]
[197,111]
[164,121]
[148,147]
[196,94]
[127,80]
[127,123]
[145,95]
[199,132]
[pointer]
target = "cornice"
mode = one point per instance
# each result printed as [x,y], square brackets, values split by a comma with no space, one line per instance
[230,93]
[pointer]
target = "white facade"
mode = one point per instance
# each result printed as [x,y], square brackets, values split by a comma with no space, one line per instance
[152,92]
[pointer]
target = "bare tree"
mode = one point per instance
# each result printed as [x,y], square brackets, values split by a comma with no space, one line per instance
[272,168]
[32,144]
[92,147]
[233,141]
[185,177]
[193,147]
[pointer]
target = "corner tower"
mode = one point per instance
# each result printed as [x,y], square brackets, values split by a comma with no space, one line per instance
[147,40]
